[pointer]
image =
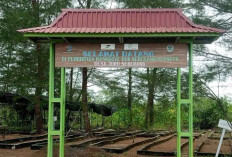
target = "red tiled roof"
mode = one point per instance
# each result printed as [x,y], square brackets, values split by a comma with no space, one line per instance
[122,21]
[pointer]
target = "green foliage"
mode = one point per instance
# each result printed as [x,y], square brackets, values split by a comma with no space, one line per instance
[19,56]
[207,113]
[152,3]
[8,117]
[13,122]
[165,115]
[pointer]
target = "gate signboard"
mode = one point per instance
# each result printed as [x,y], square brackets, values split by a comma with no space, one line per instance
[169,55]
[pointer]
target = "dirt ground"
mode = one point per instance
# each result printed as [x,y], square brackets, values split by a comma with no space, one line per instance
[167,146]
[211,145]
[69,152]
[72,152]
[125,143]
[218,135]
[133,152]
[81,141]
[170,145]
[196,143]
[12,136]
[30,140]
[24,152]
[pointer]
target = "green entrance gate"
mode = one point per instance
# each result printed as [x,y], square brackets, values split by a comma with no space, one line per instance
[125,25]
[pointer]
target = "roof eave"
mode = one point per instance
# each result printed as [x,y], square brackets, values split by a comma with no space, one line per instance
[48,36]
[211,34]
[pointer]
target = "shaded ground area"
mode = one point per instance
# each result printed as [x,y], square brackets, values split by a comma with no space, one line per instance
[168,146]
[133,152]
[69,152]
[13,136]
[24,152]
[196,143]
[125,143]
[72,152]
[217,135]
[210,146]
[82,140]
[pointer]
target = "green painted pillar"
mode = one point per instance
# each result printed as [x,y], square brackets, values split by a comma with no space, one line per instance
[51,103]
[188,102]
[178,112]
[62,112]
[191,99]
[52,100]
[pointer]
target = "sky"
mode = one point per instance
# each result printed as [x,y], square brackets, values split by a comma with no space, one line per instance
[225,88]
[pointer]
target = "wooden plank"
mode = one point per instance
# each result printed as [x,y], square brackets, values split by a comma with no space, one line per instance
[147,55]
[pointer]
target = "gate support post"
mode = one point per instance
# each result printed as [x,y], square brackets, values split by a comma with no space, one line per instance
[51,104]
[178,113]
[62,112]
[191,99]
[51,129]
[189,102]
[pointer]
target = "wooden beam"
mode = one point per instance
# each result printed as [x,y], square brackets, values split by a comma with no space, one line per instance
[65,40]
[121,39]
[177,39]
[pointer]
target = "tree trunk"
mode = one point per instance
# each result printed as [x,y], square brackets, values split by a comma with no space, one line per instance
[84,86]
[70,86]
[111,121]
[148,107]
[67,123]
[40,75]
[103,121]
[151,95]
[88,5]
[149,118]
[70,98]
[38,92]
[129,99]
[97,122]
[80,120]
[85,101]
[150,103]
